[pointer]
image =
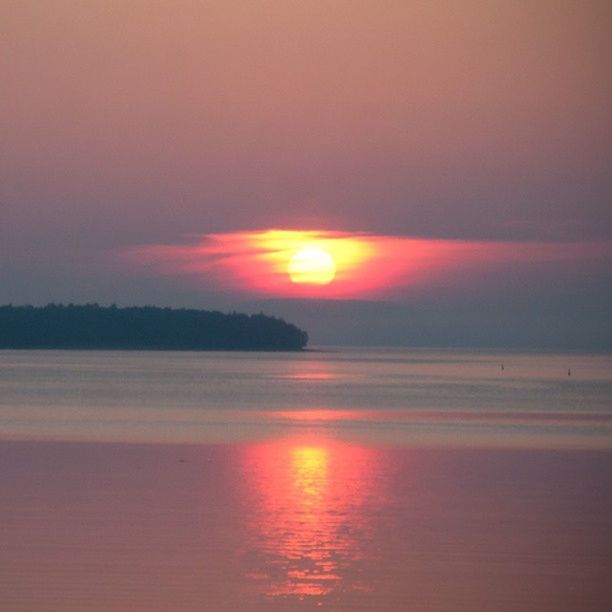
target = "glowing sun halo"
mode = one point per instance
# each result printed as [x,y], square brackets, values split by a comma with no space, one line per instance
[313,266]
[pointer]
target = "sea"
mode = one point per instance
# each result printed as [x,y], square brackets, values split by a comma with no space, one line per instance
[334,478]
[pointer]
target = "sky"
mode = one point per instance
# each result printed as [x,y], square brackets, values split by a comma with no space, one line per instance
[466,144]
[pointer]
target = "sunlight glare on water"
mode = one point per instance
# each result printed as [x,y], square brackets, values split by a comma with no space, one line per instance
[340,479]
[308,518]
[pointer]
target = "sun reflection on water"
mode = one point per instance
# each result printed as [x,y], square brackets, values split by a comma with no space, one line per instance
[309,467]
[309,521]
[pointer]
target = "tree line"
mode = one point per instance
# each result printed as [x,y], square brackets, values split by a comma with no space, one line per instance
[91,326]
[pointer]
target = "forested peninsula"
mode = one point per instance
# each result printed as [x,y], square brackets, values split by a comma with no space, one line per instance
[91,326]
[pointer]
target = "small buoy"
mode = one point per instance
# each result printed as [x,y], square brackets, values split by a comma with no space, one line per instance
[502,367]
[569,371]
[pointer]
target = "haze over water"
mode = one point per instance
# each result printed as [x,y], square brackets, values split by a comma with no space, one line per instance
[341,479]
[404,396]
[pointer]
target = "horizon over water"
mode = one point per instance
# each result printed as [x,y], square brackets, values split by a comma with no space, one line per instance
[341,479]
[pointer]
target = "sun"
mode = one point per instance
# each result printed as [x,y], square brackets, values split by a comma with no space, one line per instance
[313,266]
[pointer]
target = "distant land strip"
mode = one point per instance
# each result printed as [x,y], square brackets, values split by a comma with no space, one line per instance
[91,326]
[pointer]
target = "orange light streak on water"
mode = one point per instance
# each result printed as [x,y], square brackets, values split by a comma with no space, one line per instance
[308,517]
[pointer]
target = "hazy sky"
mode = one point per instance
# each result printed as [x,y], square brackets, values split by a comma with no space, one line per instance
[130,123]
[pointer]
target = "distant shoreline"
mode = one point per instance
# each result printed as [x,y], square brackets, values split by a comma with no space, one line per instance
[154,349]
[146,328]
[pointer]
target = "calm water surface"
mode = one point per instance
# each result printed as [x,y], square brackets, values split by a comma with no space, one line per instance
[341,480]
[401,396]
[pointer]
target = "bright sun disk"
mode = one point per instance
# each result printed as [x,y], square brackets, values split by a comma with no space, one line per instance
[312,265]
